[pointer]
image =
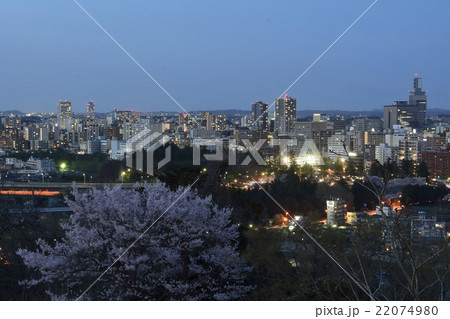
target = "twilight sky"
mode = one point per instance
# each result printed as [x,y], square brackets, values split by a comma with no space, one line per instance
[213,54]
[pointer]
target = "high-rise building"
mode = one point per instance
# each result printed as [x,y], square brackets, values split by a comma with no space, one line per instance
[411,148]
[90,110]
[338,146]
[371,138]
[382,153]
[404,113]
[11,122]
[64,114]
[220,122]
[126,116]
[418,98]
[183,121]
[335,212]
[400,113]
[209,121]
[436,142]
[285,114]
[10,138]
[244,121]
[260,116]
[320,134]
[438,163]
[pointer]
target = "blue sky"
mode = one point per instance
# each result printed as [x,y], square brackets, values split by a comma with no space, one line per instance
[221,54]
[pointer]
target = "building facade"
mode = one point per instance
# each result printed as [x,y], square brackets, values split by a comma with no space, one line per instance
[438,163]
[64,114]
[335,212]
[285,115]
[260,116]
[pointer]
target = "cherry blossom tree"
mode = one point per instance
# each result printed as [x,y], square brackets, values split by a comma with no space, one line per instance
[188,254]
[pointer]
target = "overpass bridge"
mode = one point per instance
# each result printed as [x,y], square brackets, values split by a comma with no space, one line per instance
[41,210]
[61,186]
[39,194]
[36,196]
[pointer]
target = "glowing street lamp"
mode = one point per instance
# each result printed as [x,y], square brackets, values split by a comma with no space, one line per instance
[63,166]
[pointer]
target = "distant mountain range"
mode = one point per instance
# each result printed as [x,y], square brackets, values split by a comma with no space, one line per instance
[8,112]
[346,113]
[437,111]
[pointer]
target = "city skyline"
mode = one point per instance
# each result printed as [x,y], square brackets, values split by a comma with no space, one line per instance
[76,61]
[90,106]
[226,151]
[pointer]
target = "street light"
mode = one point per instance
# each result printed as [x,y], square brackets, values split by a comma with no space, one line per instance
[84,177]
[122,175]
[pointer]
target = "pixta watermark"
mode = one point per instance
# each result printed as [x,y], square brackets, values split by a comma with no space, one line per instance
[146,142]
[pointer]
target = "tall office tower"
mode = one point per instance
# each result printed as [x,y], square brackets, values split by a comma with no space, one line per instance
[399,113]
[260,116]
[285,114]
[90,110]
[220,122]
[419,98]
[404,113]
[209,121]
[64,115]
[183,120]
[335,212]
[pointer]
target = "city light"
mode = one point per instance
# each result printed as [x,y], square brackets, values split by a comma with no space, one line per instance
[310,159]
[285,171]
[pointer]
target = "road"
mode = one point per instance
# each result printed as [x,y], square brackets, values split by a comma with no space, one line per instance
[50,185]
